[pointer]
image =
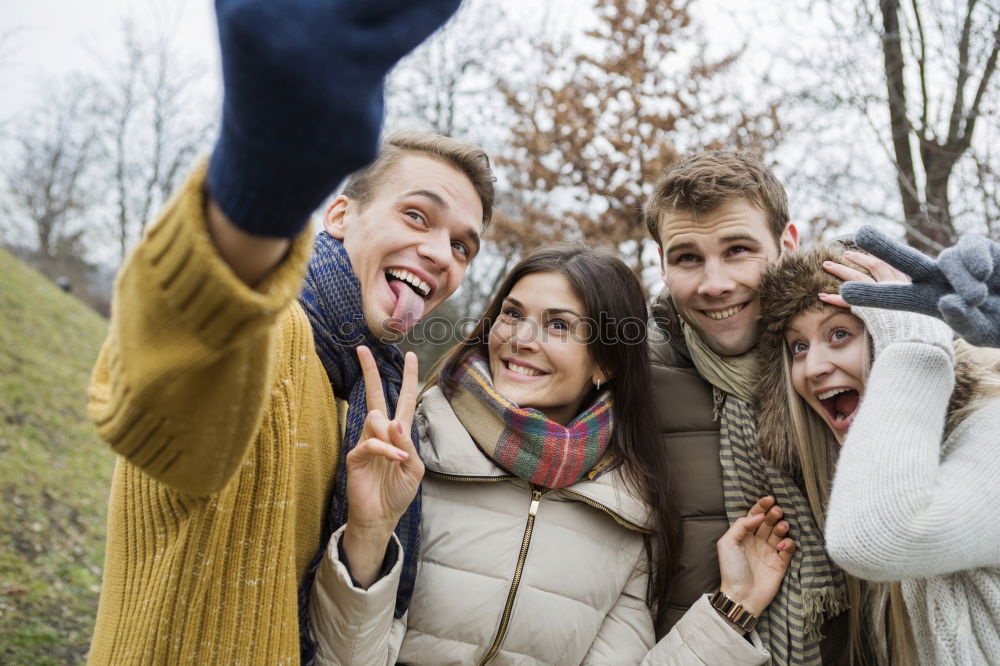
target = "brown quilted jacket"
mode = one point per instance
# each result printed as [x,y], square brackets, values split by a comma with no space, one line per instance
[691,437]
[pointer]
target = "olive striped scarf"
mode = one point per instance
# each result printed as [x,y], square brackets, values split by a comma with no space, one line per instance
[814,588]
[522,440]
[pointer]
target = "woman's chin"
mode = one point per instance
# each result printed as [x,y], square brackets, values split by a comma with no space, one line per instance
[840,428]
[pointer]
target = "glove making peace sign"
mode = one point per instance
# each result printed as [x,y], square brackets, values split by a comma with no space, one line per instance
[962,286]
[383,471]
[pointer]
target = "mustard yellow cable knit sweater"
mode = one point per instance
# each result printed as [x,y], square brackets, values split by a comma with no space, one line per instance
[212,394]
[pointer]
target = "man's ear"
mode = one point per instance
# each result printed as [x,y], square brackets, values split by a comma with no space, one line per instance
[334,220]
[663,263]
[790,238]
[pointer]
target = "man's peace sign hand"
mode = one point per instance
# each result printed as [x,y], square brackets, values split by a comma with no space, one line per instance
[383,470]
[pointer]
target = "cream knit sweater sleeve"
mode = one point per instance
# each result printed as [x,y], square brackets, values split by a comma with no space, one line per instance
[905,503]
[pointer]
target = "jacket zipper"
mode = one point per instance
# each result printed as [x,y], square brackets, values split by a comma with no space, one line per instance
[536,497]
[464,477]
[600,507]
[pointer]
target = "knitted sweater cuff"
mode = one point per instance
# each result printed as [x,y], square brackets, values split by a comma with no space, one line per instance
[888,327]
[199,287]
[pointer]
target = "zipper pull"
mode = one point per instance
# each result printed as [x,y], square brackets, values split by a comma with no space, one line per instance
[536,497]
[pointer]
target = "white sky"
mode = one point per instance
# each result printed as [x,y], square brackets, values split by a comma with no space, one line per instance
[43,40]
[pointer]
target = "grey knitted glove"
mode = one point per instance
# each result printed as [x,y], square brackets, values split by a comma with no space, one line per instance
[962,286]
[888,326]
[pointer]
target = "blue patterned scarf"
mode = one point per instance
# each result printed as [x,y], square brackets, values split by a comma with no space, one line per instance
[331,297]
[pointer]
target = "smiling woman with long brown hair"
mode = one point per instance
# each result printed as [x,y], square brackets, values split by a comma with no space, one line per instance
[548,535]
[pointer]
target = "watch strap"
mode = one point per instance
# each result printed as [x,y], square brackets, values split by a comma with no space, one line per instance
[734,611]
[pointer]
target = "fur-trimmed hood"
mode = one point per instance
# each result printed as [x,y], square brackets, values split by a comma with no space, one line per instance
[791,286]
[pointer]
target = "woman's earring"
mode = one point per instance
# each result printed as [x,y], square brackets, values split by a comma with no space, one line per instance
[598,384]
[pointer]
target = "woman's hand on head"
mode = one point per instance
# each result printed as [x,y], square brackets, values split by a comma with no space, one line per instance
[881,272]
[754,555]
[383,471]
[962,286]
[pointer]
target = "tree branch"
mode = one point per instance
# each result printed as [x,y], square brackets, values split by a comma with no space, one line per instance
[899,123]
[922,67]
[961,78]
[991,65]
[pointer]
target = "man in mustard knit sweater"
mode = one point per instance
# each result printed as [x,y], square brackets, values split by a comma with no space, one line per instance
[215,386]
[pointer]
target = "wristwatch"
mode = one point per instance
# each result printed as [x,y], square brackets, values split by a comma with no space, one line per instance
[733,611]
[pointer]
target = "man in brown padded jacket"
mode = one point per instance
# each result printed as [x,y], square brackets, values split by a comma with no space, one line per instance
[719,218]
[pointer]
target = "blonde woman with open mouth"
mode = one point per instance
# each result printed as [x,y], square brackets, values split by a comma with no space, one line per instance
[913,435]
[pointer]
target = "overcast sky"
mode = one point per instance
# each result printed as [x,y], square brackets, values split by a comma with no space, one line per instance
[43,40]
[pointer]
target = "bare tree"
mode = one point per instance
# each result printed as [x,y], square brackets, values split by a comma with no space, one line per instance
[987,183]
[48,188]
[938,115]
[152,125]
[919,78]
[447,84]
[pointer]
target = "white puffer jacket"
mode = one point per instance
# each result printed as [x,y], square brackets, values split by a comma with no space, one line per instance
[509,574]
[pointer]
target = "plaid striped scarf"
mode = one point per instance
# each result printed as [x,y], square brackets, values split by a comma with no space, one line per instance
[522,440]
[331,298]
[814,588]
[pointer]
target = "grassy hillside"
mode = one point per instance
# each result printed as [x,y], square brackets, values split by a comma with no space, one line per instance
[54,474]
